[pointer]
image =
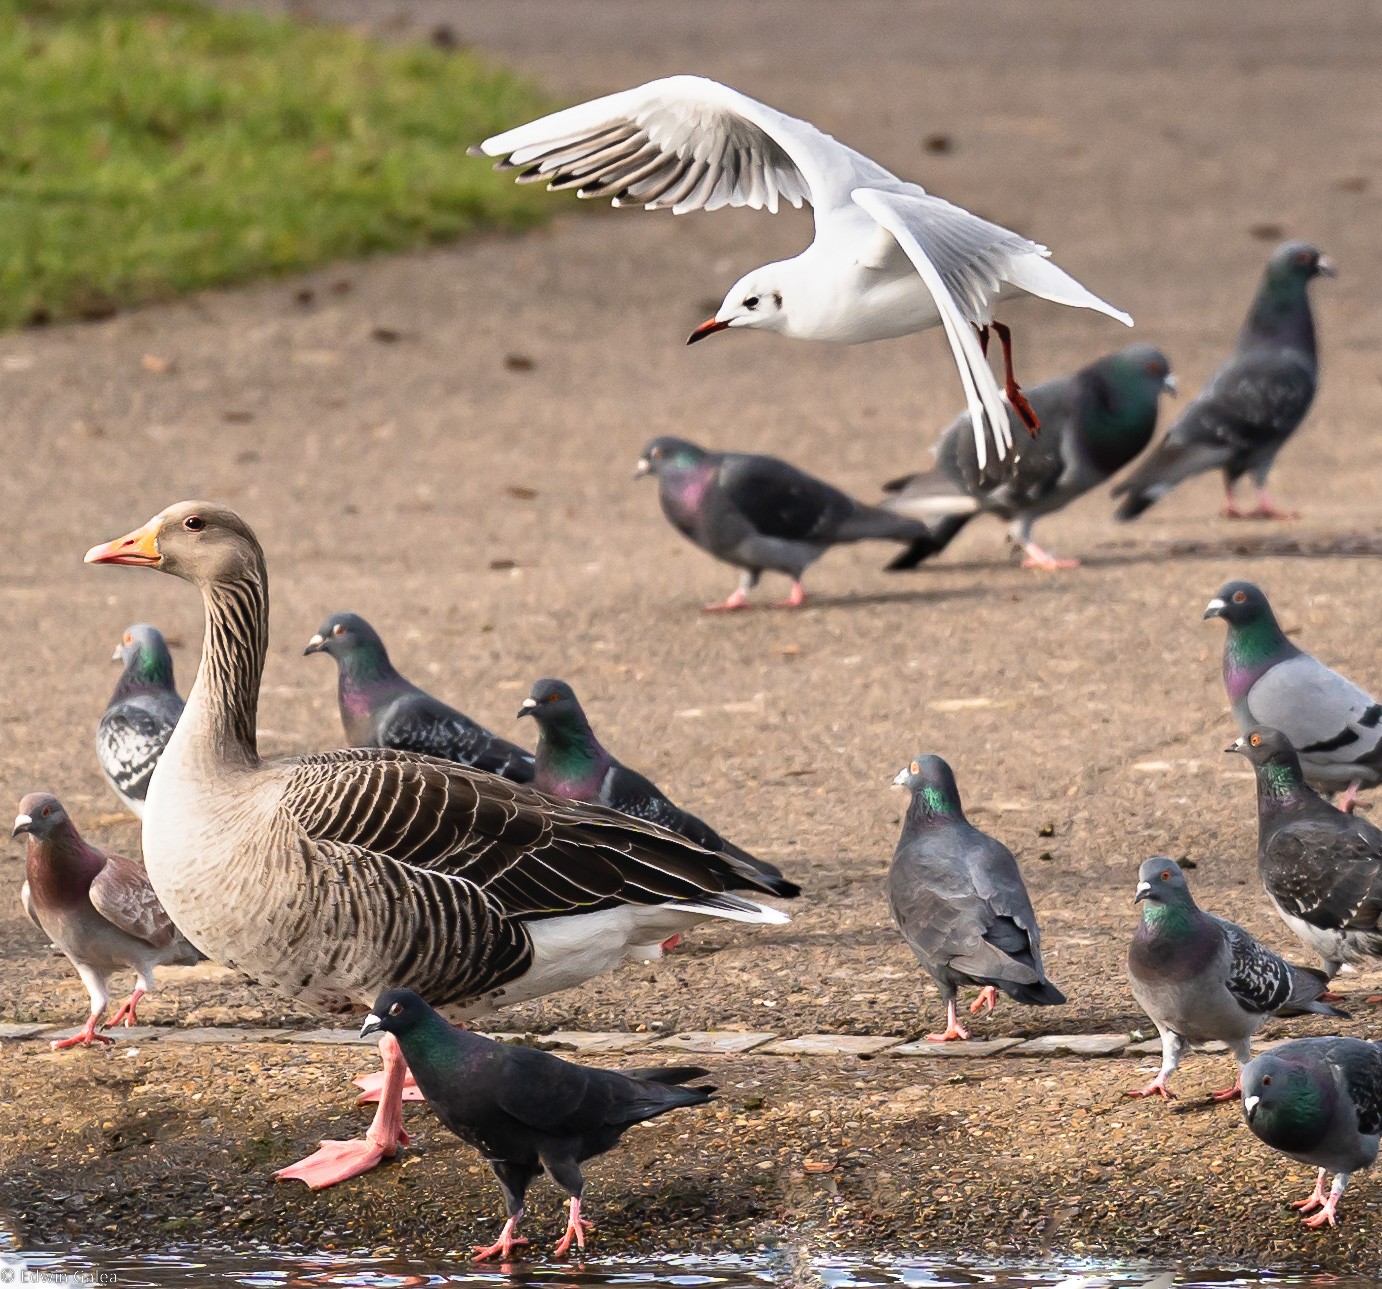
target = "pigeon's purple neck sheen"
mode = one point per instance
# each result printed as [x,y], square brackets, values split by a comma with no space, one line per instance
[683,489]
[1251,649]
[60,868]
[570,761]
[366,681]
[1280,787]
[149,669]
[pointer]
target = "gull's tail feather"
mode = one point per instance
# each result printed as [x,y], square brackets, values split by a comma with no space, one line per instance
[1036,275]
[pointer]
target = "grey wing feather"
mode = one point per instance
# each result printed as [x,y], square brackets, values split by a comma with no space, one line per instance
[1326,872]
[1362,1074]
[440,731]
[121,894]
[1325,715]
[1258,978]
[27,900]
[129,741]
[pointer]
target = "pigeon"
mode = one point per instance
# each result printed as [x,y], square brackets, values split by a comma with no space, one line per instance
[1318,1100]
[757,512]
[381,709]
[958,898]
[1335,727]
[140,716]
[1252,404]
[1320,866]
[572,764]
[888,258]
[1093,424]
[525,1110]
[98,908]
[1202,979]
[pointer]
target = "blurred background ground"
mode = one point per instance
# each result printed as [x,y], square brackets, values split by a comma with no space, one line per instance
[383,424]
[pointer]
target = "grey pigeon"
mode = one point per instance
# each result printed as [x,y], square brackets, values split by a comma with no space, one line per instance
[140,717]
[757,512]
[958,898]
[573,765]
[379,708]
[1202,979]
[525,1110]
[98,908]
[1092,424]
[1320,866]
[1335,727]
[1318,1100]
[1252,404]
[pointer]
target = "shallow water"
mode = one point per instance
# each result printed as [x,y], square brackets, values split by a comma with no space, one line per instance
[192,1269]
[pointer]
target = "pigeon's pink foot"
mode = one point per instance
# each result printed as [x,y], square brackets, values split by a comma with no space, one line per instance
[371,1085]
[1228,1094]
[335,1161]
[576,1227]
[1157,1087]
[126,1012]
[670,943]
[987,1000]
[504,1246]
[1326,1214]
[1043,560]
[84,1038]
[1316,1197]
[738,600]
[1267,509]
[795,599]
[953,1028]
[1346,802]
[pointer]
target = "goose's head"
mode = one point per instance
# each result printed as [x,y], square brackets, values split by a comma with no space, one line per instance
[198,541]
[756,300]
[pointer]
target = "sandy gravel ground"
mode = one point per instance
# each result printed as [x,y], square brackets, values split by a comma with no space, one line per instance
[1161,150]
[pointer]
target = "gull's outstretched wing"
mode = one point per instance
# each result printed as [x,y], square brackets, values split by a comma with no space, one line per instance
[685,143]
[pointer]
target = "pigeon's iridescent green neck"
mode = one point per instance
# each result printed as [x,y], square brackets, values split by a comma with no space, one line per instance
[365,661]
[153,666]
[1279,784]
[1280,312]
[1294,1121]
[569,755]
[1250,648]
[1166,918]
[931,802]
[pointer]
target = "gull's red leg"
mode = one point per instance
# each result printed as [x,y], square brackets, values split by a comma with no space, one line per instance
[1010,386]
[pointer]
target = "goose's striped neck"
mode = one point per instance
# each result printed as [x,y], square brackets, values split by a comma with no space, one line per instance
[225,699]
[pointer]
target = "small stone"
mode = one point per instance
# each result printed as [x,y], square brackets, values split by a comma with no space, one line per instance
[1074,1045]
[709,1041]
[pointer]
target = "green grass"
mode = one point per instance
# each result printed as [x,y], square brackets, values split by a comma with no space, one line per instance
[153,147]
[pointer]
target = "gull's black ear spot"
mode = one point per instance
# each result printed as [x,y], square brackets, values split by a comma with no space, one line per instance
[777,298]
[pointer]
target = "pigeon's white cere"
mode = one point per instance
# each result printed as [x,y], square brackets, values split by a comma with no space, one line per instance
[888,258]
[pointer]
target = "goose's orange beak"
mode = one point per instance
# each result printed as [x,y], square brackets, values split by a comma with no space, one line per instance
[139,547]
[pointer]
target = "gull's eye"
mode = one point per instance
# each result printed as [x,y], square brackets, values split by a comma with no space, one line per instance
[194,523]
[751,303]
[1240,597]
[396,1009]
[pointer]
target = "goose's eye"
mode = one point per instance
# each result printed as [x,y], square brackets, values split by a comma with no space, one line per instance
[1266,1080]
[751,303]
[1240,597]
[396,1009]
[338,629]
[194,523]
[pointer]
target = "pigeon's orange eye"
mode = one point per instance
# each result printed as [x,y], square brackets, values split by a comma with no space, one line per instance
[1165,874]
[1256,740]
[396,1009]
[1239,597]
[338,629]
[1266,1080]
[129,639]
[47,810]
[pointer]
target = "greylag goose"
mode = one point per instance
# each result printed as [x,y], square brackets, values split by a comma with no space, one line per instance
[139,719]
[335,876]
[98,908]
[379,708]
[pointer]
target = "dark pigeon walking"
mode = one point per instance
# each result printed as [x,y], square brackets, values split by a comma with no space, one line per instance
[98,908]
[379,708]
[525,1110]
[1335,727]
[1252,404]
[1320,866]
[958,898]
[1202,979]
[572,764]
[1092,424]
[759,513]
[140,717]
[1318,1100]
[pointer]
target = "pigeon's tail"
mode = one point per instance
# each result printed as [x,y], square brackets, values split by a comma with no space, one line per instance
[869,523]
[1041,994]
[658,1090]
[669,1074]
[940,536]
[1307,984]
[1171,462]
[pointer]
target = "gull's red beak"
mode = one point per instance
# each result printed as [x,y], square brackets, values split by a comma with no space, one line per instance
[139,547]
[707,328]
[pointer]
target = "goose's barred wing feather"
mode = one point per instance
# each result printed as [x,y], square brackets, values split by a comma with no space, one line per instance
[529,853]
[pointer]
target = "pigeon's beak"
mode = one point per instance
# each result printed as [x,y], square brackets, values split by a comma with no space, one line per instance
[22,823]
[1214,609]
[1144,891]
[372,1025]
[1238,745]
[139,547]
[119,654]
[902,776]
[1324,266]
[643,467]
[1170,385]
[1250,1105]
[707,328]
[527,709]
[315,645]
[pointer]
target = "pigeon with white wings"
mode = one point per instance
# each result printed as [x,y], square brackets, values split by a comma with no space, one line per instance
[888,258]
